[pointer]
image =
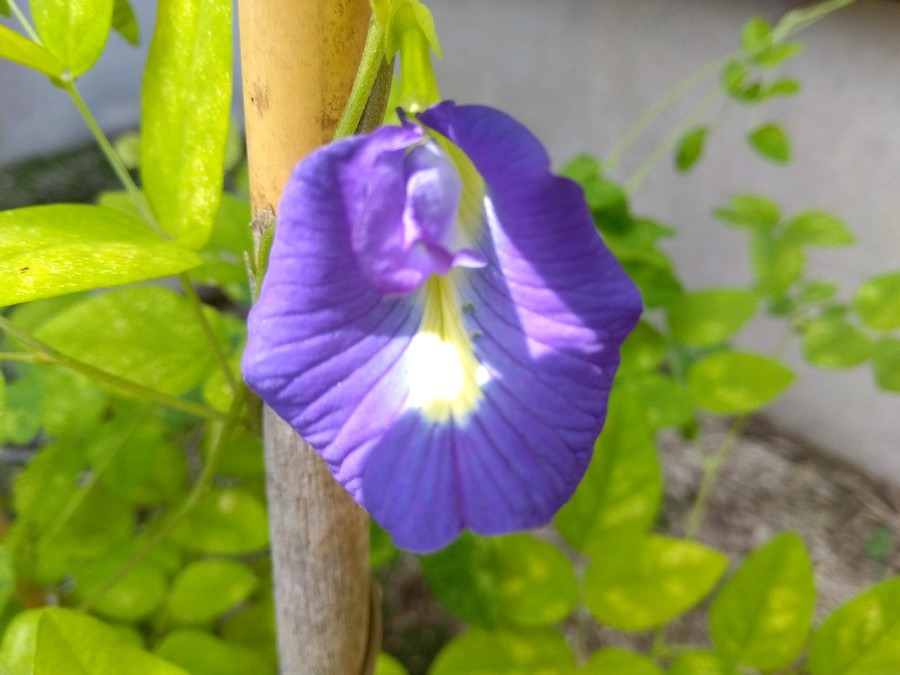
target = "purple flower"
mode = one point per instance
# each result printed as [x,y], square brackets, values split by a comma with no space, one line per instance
[442,322]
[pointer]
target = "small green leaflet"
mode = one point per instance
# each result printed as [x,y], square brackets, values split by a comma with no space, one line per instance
[640,582]
[21,50]
[184,116]
[124,22]
[731,383]
[146,334]
[75,31]
[609,660]
[622,488]
[52,250]
[515,579]
[886,364]
[762,615]
[54,640]
[877,302]
[771,142]
[861,637]
[817,228]
[505,652]
[749,211]
[205,589]
[199,651]
[227,521]
[690,148]
[710,317]
[833,342]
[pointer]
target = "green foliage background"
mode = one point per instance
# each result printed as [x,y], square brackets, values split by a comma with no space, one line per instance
[139,537]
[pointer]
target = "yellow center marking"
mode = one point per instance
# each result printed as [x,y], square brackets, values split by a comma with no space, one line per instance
[445,378]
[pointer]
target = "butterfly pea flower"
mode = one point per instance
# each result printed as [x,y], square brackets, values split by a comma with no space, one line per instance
[441,321]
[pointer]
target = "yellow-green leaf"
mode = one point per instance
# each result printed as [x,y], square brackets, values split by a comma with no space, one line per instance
[75,31]
[184,115]
[21,50]
[52,250]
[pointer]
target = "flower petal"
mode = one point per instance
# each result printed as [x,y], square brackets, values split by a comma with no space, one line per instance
[474,400]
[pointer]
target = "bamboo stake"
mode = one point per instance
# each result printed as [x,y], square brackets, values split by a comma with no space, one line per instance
[299,58]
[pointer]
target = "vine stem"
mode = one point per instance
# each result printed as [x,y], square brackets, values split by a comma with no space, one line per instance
[220,355]
[115,162]
[198,491]
[711,465]
[50,355]
[665,146]
[369,65]
[679,89]
[22,20]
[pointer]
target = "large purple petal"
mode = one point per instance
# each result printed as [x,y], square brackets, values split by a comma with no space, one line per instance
[534,334]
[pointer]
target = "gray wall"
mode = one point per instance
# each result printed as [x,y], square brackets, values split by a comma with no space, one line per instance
[579,72]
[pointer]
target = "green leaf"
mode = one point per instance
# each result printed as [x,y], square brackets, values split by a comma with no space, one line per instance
[124,22]
[135,596]
[771,142]
[253,625]
[777,54]
[636,583]
[735,83]
[751,212]
[242,456]
[654,275]
[203,653]
[762,616]
[778,264]
[7,578]
[861,637]
[877,302]
[710,317]
[886,364]
[19,49]
[4,8]
[690,148]
[381,546]
[644,349]
[386,664]
[817,228]
[147,334]
[756,35]
[22,419]
[184,115]
[504,652]
[816,292]
[619,661]
[65,521]
[74,31]
[69,642]
[72,405]
[665,404]
[622,488]
[737,382]
[833,342]
[135,460]
[699,662]
[783,87]
[513,579]
[227,521]
[206,589]
[62,248]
